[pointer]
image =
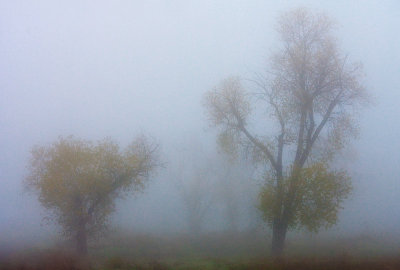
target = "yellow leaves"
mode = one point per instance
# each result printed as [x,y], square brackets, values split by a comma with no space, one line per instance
[318,198]
[80,180]
[227,104]
[227,143]
[268,201]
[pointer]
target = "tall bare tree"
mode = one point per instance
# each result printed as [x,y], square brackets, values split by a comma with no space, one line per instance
[311,91]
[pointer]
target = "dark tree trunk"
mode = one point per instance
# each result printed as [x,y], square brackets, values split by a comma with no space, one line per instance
[278,239]
[81,241]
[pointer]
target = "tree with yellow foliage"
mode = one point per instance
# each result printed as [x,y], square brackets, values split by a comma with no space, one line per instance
[78,181]
[308,97]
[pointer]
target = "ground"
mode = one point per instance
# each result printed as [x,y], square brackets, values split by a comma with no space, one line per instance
[212,251]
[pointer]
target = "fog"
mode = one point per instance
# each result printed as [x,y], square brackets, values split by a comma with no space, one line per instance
[117,69]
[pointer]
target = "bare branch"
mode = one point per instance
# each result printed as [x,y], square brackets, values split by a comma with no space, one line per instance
[261,146]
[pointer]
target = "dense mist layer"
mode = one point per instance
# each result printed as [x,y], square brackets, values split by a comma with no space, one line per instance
[97,69]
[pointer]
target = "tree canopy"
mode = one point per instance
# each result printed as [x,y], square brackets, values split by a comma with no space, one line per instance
[78,181]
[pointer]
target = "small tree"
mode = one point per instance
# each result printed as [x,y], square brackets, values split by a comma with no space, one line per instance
[78,181]
[193,179]
[310,94]
[232,189]
[197,200]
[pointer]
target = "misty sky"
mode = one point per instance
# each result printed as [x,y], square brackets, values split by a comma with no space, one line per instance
[119,68]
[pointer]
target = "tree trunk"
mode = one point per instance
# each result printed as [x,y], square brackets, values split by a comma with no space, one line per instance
[81,241]
[278,239]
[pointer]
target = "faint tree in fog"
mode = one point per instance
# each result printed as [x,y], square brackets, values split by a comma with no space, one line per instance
[232,186]
[310,92]
[79,181]
[194,180]
[197,200]
[228,195]
[236,187]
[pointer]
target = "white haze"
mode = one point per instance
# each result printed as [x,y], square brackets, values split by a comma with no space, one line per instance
[119,68]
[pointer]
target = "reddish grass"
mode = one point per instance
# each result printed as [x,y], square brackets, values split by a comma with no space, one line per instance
[49,260]
[332,264]
[59,260]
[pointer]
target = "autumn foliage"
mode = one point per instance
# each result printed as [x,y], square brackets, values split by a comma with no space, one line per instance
[78,181]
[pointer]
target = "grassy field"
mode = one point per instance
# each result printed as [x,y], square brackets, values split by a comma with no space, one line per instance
[212,251]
